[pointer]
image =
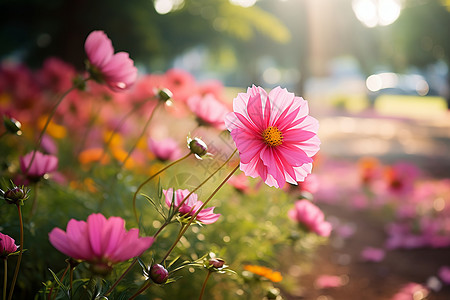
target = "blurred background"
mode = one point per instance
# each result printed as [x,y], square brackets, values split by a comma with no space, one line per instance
[362,47]
[375,73]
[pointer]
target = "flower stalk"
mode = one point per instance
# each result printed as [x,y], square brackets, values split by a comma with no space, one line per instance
[150,178]
[197,212]
[204,285]
[47,122]
[19,259]
[140,135]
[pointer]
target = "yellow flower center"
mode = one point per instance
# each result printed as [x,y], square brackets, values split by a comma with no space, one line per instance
[272,136]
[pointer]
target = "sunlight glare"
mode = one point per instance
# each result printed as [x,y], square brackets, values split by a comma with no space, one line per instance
[243,3]
[377,12]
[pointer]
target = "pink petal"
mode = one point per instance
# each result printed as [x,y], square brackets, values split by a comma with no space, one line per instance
[96,225]
[58,239]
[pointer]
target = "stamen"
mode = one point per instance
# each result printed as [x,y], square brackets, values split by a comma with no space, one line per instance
[272,136]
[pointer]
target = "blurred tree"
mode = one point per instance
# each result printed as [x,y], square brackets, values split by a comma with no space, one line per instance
[34,29]
[421,35]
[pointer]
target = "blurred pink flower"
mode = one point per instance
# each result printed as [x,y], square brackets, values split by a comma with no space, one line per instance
[181,83]
[400,178]
[166,149]
[99,241]
[190,206]
[411,291]
[56,75]
[372,254]
[208,110]
[117,70]
[311,216]
[328,281]
[310,184]
[7,245]
[444,274]
[274,134]
[240,182]
[42,164]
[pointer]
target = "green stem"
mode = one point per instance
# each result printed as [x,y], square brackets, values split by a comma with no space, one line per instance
[141,290]
[140,136]
[193,191]
[5,280]
[71,281]
[61,279]
[16,271]
[197,212]
[150,178]
[49,118]
[204,285]
[120,278]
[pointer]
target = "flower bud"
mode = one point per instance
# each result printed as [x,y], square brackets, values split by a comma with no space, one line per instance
[12,125]
[273,293]
[198,147]
[16,195]
[216,262]
[158,274]
[164,94]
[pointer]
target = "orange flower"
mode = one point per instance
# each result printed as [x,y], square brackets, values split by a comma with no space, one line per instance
[264,272]
[91,155]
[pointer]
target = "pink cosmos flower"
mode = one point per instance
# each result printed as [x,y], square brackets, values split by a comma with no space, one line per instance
[208,110]
[42,164]
[444,274]
[7,245]
[311,216]
[274,134]
[99,241]
[372,254]
[328,281]
[117,70]
[56,75]
[166,149]
[190,206]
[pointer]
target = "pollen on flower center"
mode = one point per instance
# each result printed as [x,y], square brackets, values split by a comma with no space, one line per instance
[272,136]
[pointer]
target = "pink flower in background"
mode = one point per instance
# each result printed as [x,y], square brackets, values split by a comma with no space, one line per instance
[274,134]
[181,83]
[208,110]
[372,254]
[117,70]
[99,241]
[310,184]
[240,182]
[166,149]
[411,291]
[444,274]
[42,164]
[7,245]
[328,281]
[57,75]
[190,206]
[311,216]
[400,178]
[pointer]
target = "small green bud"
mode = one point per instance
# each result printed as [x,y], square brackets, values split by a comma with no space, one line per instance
[198,147]
[216,262]
[12,125]
[16,195]
[164,95]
